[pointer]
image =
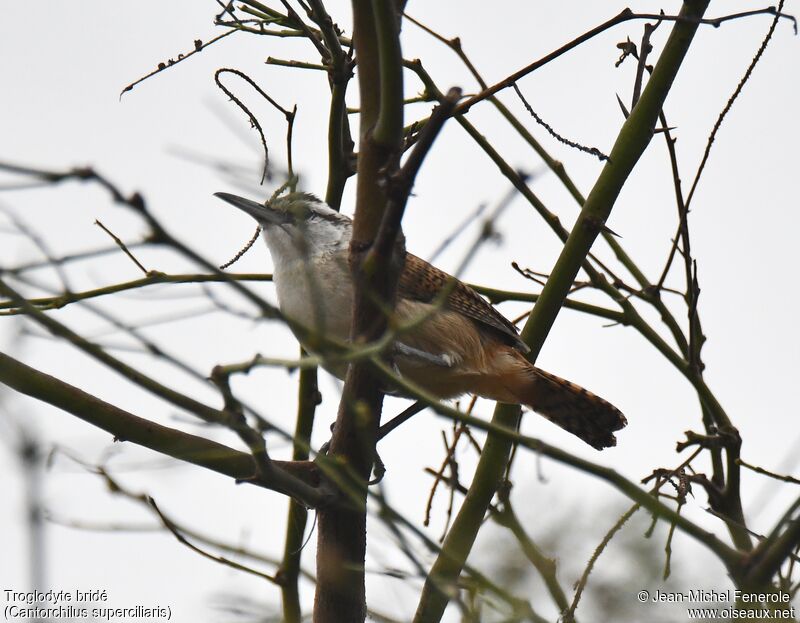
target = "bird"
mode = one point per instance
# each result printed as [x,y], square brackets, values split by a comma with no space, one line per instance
[458,342]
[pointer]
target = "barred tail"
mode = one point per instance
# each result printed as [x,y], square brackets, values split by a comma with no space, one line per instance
[576,410]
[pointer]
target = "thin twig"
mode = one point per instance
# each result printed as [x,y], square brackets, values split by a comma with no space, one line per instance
[645,49]
[623,16]
[219,559]
[286,113]
[569,615]
[294,64]
[589,150]
[310,34]
[761,470]
[448,240]
[152,278]
[401,183]
[198,46]
[122,246]
[668,547]
[778,14]
[243,250]
[71,257]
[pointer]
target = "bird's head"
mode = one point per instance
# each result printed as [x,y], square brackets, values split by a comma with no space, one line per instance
[298,221]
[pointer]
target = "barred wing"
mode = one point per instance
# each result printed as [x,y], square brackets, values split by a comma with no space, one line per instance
[421,281]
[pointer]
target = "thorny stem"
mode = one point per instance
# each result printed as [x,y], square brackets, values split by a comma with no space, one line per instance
[633,138]
[727,554]
[693,374]
[558,168]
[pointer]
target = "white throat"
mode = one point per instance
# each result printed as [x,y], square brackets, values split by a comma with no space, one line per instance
[316,236]
[311,273]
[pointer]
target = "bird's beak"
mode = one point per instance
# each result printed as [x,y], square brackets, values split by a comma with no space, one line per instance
[259,211]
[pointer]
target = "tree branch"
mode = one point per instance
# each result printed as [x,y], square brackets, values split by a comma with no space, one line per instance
[152,278]
[729,556]
[341,544]
[633,138]
[299,479]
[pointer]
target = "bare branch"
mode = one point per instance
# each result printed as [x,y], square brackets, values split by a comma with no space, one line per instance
[302,478]
[122,246]
[198,47]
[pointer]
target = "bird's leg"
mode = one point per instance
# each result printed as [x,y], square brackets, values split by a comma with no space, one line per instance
[323,449]
[379,468]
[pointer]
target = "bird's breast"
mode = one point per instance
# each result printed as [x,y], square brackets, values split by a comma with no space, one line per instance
[316,293]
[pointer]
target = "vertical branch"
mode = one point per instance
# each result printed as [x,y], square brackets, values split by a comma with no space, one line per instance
[341,543]
[631,142]
[339,147]
[633,138]
[340,70]
[489,475]
[389,126]
[289,573]
[31,456]
[340,144]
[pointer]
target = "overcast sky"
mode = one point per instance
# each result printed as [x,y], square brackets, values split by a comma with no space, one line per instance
[63,65]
